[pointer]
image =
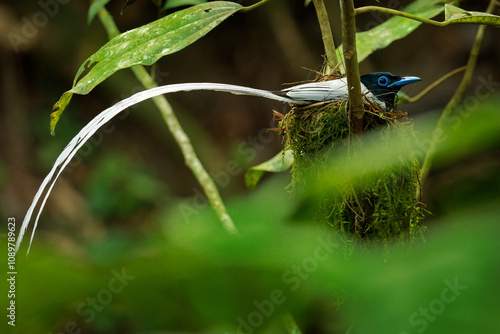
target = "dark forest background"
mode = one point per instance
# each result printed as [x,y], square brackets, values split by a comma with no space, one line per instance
[278,44]
[127,182]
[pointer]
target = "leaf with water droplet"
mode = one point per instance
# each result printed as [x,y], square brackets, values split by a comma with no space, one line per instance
[145,45]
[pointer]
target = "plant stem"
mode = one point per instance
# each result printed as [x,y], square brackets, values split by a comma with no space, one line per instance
[367,9]
[436,83]
[255,5]
[456,99]
[326,33]
[356,109]
[108,23]
[178,133]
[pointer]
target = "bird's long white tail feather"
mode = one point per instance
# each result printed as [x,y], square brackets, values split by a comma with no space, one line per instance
[81,138]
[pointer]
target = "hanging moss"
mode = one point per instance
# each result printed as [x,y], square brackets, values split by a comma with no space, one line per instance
[378,208]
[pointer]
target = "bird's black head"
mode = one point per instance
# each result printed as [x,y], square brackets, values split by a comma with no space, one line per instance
[385,85]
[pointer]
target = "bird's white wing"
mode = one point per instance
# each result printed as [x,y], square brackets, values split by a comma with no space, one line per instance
[324,91]
[319,91]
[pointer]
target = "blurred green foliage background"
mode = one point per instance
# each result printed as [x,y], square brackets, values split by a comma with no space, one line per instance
[127,243]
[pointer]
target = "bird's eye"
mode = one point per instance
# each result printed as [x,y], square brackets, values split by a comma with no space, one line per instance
[383,81]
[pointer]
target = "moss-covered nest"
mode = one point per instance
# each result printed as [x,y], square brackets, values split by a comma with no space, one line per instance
[381,207]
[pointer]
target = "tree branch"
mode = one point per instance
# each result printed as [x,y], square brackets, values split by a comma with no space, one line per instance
[326,33]
[356,108]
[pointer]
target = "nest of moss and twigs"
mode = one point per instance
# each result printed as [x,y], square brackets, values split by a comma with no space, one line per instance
[382,206]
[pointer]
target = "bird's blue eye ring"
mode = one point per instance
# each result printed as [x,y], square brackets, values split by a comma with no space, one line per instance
[383,81]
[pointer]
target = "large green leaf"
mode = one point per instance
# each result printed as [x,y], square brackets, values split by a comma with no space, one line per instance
[454,14]
[393,29]
[145,45]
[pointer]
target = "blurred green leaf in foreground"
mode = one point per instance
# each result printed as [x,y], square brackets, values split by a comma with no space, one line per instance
[196,277]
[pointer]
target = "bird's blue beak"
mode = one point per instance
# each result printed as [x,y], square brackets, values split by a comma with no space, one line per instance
[405,81]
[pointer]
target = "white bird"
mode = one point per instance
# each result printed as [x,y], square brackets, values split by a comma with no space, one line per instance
[380,88]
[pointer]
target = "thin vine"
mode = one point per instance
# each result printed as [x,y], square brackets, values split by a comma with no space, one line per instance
[457,97]
[182,139]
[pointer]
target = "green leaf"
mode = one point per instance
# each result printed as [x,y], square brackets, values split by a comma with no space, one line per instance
[178,3]
[94,8]
[454,14]
[279,163]
[58,109]
[402,97]
[393,29]
[145,45]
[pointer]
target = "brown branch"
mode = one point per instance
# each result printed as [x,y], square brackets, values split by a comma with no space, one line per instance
[356,109]
[326,33]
